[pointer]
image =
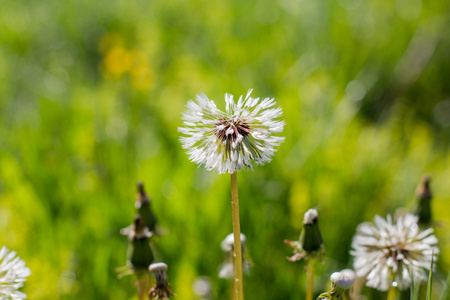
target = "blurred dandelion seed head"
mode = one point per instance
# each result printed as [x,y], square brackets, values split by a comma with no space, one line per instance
[13,273]
[227,244]
[228,141]
[388,251]
[226,270]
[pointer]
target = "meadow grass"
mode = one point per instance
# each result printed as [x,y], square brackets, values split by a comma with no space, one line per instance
[91,94]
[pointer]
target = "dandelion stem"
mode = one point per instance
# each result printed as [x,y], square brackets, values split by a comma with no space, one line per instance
[143,286]
[310,273]
[392,293]
[233,291]
[239,284]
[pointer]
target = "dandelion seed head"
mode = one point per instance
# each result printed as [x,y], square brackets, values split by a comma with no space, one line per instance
[227,244]
[13,273]
[389,252]
[228,141]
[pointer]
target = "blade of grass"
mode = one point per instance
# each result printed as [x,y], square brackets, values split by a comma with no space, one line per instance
[430,276]
[416,291]
[445,293]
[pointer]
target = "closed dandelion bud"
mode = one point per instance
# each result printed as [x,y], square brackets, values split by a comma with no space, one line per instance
[350,293]
[311,239]
[350,274]
[142,205]
[310,243]
[161,288]
[340,282]
[140,255]
[424,196]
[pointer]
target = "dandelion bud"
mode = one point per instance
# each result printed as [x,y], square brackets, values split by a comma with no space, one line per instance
[161,288]
[350,293]
[140,255]
[340,282]
[311,238]
[310,243]
[142,205]
[424,196]
[350,274]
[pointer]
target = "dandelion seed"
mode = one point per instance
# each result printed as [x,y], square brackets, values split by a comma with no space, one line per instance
[13,273]
[388,251]
[228,141]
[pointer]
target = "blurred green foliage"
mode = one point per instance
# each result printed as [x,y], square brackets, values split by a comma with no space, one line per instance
[91,94]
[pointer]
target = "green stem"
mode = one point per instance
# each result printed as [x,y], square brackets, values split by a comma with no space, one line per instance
[239,283]
[310,273]
[392,293]
[233,291]
[144,282]
[141,287]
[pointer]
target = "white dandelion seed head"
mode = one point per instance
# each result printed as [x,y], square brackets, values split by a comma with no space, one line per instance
[227,271]
[13,273]
[227,244]
[228,141]
[389,252]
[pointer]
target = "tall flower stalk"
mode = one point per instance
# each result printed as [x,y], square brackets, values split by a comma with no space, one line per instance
[227,142]
[239,280]
[310,273]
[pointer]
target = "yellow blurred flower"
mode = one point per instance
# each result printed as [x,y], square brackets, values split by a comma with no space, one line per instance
[117,61]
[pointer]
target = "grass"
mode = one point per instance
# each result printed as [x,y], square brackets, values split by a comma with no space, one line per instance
[90,100]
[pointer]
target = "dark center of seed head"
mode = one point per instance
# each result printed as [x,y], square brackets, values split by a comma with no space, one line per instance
[237,126]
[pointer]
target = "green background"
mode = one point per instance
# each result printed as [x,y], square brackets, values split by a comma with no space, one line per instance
[91,95]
